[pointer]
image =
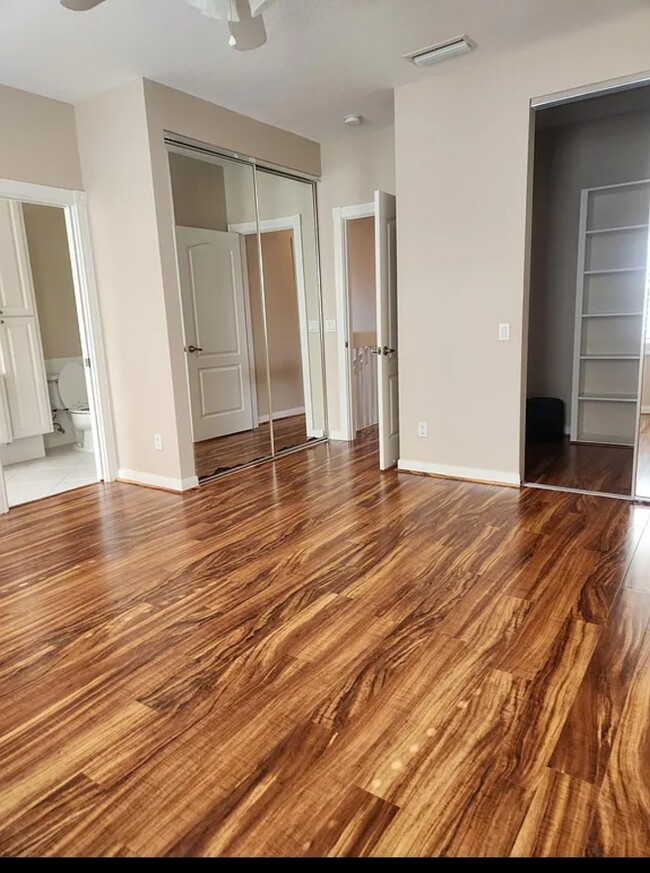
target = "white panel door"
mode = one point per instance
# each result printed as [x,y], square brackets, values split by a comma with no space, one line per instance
[214,317]
[23,368]
[16,288]
[387,372]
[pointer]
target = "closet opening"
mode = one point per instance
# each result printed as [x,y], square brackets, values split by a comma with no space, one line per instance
[53,414]
[586,410]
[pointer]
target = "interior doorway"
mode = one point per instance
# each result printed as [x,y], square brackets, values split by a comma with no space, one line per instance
[366,279]
[55,422]
[587,346]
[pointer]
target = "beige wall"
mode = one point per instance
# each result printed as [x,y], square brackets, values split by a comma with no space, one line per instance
[127,177]
[49,256]
[38,142]
[116,164]
[602,151]
[361,274]
[353,168]
[282,321]
[198,193]
[462,183]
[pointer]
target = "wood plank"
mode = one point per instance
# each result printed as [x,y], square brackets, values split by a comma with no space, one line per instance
[585,745]
[316,658]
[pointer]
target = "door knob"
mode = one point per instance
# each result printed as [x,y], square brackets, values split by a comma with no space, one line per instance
[387,351]
[193,349]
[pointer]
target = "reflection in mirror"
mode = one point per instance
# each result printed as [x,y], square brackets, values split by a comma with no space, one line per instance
[225,341]
[291,287]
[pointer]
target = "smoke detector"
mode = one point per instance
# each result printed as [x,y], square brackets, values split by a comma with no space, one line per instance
[353,120]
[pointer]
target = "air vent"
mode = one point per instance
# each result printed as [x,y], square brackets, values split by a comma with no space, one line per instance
[425,57]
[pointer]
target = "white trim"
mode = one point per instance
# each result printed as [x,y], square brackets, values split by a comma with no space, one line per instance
[475,474]
[283,413]
[293,223]
[645,410]
[563,490]
[338,436]
[623,83]
[248,314]
[577,318]
[154,481]
[74,205]
[340,215]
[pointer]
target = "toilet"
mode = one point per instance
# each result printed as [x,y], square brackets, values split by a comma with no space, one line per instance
[73,396]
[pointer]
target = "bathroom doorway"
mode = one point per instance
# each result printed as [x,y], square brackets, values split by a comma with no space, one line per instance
[52,437]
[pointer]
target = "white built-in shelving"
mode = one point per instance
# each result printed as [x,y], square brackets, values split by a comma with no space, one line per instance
[610,306]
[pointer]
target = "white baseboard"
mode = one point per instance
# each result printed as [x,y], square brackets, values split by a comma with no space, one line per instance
[645,410]
[338,435]
[153,481]
[475,474]
[282,413]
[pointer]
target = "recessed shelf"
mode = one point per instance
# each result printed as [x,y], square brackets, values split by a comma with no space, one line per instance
[605,439]
[615,270]
[610,357]
[608,398]
[612,314]
[617,229]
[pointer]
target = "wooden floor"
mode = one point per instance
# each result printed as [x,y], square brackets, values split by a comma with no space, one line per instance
[223,453]
[311,658]
[607,469]
[643,475]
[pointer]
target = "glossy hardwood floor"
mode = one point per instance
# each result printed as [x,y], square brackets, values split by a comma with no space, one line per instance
[314,658]
[223,453]
[606,469]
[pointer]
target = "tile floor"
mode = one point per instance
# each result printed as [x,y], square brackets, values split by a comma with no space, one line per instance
[62,469]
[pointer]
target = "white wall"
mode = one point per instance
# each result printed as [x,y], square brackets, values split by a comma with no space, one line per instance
[354,167]
[463,151]
[569,158]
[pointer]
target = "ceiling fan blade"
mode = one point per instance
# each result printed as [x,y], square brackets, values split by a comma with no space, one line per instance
[80,5]
[249,32]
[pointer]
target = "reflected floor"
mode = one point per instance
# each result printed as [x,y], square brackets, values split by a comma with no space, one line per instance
[643,477]
[223,453]
[571,465]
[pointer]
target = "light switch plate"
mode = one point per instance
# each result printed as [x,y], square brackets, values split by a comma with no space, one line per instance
[314,327]
[504,333]
[330,325]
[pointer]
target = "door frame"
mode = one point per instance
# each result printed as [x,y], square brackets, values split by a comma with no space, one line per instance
[75,209]
[293,223]
[340,217]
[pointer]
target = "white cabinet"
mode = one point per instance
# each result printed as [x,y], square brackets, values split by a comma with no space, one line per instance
[610,302]
[16,286]
[23,368]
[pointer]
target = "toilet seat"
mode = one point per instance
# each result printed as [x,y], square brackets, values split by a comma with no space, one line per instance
[72,387]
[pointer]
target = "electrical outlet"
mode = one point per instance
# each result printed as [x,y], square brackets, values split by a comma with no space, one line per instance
[157,442]
[314,327]
[423,429]
[504,333]
[330,325]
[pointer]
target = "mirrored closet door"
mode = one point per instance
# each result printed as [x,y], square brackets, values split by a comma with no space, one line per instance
[247,260]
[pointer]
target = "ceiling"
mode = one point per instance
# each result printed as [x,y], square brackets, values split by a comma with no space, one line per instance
[324,58]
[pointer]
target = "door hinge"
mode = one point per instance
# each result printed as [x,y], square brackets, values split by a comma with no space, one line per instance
[87,362]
